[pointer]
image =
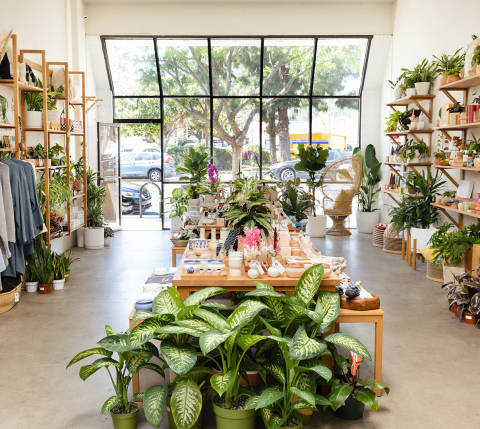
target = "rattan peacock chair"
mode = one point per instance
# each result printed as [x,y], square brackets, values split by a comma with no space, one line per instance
[339,183]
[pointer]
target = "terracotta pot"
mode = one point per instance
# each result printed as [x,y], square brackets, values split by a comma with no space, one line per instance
[452,78]
[77,185]
[454,308]
[470,319]
[462,72]
[44,288]
[443,79]
[437,160]
[254,379]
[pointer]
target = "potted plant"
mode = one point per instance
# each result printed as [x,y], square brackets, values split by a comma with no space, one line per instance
[76,173]
[350,393]
[454,113]
[247,206]
[296,203]
[44,257]
[293,348]
[54,154]
[96,194]
[313,159]
[413,151]
[367,215]
[178,203]
[475,62]
[450,66]
[129,361]
[421,77]
[34,105]
[37,154]
[31,277]
[393,121]
[108,234]
[213,185]
[61,269]
[194,168]
[439,157]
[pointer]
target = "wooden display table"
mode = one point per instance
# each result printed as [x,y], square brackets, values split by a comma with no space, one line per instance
[177,250]
[346,316]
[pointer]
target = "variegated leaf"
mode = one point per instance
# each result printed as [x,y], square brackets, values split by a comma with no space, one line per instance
[321,400]
[145,331]
[308,284]
[245,313]
[230,342]
[198,325]
[149,348]
[186,403]
[330,306]
[222,382]
[316,317]
[247,341]
[212,339]
[349,343]
[203,294]
[196,374]
[213,304]
[109,330]
[304,394]
[304,381]
[133,362]
[154,404]
[162,304]
[320,368]
[216,320]
[261,285]
[303,405]
[180,359]
[116,343]
[153,367]
[177,330]
[303,347]
[276,371]
[90,352]
[176,301]
[268,397]
[265,292]
[276,306]
[109,404]
[87,370]
[142,315]
[272,329]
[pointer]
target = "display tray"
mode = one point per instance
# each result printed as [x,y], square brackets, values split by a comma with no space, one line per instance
[360,304]
[205,275]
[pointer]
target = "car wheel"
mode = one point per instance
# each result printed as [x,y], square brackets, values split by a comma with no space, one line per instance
[155,175]
[287,174]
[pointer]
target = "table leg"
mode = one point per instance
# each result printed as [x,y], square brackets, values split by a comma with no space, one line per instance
[135,377]
[174,259]
[377,373]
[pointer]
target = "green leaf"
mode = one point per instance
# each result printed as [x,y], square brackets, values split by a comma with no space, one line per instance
[304,381]
[186,403]
[261,285]
[245,313]
[175,298]
[368,397]
[88,370]
[330,307]
[339,394]
[308,284]
[320,368]
[222,382]
[154,367]
[211,339]
[90,352]
[116,343]
[142,315]
[163,304]
[148,347]
[247,341]
[214,319]
[133,362]
[177,330]
[109,404]
[196,374]
[198,325]
[276,307]
[203,294]
[303,405]
[180,359]
[303,347]
[274,331]
[154,403]
[372,384]
[145,331]
[304,394]
[268,397]
[276,371]
[349,343]
[313,315]
[109,330]
[321,400]
[266,292]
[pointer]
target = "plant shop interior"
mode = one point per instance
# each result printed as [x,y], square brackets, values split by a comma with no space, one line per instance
[239,214]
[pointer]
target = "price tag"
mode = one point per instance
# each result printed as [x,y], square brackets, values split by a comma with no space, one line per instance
[16,297]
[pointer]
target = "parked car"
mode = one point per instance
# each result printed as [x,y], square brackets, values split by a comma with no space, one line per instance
[285,170]
[131,198]
[146,164]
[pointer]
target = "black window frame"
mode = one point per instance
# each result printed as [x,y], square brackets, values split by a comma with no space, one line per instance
[212,97]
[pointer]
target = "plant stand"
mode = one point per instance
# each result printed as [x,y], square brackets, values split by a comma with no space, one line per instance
[338,228]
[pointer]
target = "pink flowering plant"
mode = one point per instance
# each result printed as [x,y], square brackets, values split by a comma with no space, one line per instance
[214,178]
[251,238]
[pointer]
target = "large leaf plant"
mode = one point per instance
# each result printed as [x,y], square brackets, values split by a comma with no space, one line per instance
[295,201]
[298,338]
[194,170]
[370,186]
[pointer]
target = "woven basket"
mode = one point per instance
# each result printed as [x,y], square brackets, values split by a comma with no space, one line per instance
[377,237]
[392,245]
[9,299]
[434,272]
[179,243]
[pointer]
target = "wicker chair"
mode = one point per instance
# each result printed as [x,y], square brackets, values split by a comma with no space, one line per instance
[339,183]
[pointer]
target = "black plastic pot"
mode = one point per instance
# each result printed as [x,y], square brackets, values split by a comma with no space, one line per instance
[352,410]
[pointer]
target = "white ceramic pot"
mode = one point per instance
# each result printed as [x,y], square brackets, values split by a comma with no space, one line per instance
[422,88]
[397,93]
[33,119]
[235,260]
[31,286]
[53,116]
[422,237]
[411,92]
[80,237]
[451,270]
[316,226]
[107,241]
[176,223]
[366,221]
[59,284]
[94,238]
[194,204]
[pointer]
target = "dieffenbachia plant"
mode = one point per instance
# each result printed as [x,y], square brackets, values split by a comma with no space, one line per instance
[297,340]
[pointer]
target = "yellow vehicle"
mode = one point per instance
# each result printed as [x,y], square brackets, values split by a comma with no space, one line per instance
[327,140]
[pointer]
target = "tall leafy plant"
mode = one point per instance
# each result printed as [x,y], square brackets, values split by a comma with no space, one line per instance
[370,186]
[178,201]
[96,195]
[295,201]
[313,159]
[450,64]
[195,169]
[42,261]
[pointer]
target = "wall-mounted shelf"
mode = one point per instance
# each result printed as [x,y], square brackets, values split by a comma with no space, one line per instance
[459,127]
[445,209]
[405,101]
[409,132]
[462,84]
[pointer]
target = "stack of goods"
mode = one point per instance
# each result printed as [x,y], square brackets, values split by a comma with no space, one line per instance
[392,241]
[378,231]
[354,297]
[467,205]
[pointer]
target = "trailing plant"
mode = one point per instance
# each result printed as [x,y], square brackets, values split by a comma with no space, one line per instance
[296,340]
[59,190]
[194,168]
[37,152]
[450,64]
[178,203]
[128,362]
[61,265]
[412,149]
[43,258]
[456,108]
[370,185]
[34,100]
[96,195]
[313,159]
[247,205]
[347,382]
[294,200]
[393,121]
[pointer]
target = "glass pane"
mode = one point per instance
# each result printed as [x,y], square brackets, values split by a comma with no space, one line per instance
[236,137]
[236,67]
[287,66]
[339,66]
[285,125]
[137,108]
[335,124]
[187,124]
[132,65]
[184,66]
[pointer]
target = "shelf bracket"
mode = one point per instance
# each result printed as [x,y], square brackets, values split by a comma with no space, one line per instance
[427,114]
[449,177]
[450,96]
[445,133]
[416,137]
[395,171]
[392,197]
[451,218]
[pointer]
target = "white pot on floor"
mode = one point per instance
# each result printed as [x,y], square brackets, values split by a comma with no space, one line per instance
[94,238]
[80,237]
[366,221]
[316,226]
[33,119]
[449,271]
[176,224]
[422,88]
[59,284]
[107,241]
[31,286]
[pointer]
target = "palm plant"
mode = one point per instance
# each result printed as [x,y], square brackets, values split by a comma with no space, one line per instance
[295,201]
[43,257]
[296,342]
[96,195]
[426,183]
[61,265]
[194,168]
[369,187]
[450,64]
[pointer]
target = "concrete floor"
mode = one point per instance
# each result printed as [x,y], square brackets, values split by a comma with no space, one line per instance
[430,360]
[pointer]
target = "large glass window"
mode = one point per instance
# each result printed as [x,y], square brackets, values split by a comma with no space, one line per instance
[249,101]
